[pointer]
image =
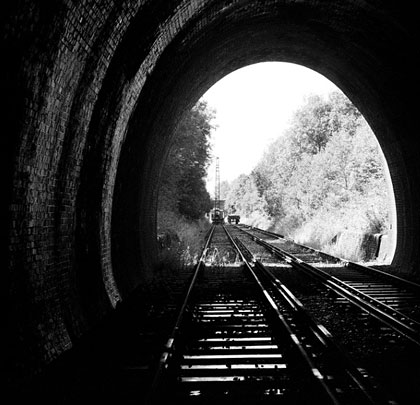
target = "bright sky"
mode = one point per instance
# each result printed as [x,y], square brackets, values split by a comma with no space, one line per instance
[253,107]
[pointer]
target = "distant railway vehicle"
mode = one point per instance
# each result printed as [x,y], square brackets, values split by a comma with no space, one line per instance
[217,216]
[233,219]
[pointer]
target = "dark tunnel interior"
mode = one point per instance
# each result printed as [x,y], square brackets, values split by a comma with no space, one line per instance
[93,92]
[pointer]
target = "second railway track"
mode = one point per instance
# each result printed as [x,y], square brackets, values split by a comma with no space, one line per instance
[392,300]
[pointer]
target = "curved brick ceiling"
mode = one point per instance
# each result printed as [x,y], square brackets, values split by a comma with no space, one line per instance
[94,90]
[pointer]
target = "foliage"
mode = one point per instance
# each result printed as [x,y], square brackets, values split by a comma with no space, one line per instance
[182,245]
[325,174]
[183,198]
[183,188]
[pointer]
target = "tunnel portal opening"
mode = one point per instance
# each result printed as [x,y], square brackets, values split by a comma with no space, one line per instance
[298,158]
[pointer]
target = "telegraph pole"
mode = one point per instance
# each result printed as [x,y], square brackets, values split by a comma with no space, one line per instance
[217,186]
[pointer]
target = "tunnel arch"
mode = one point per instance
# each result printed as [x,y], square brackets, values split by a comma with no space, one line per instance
[260,42]
[96,91]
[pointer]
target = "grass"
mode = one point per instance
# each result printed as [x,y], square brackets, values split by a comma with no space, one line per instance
[182,240]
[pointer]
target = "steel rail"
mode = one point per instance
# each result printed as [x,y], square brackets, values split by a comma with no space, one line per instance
[315,373]
[393,318]
[399,280]
[276,235]
[357,266]
[170,343]
[323,336]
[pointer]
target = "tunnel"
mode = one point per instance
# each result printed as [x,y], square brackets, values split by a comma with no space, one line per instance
[93,92]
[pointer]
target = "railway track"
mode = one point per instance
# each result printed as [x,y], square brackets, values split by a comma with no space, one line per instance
[242,337]
[390,299]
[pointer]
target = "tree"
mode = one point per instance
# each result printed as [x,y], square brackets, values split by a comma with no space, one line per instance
[182,189]
[243,196]
[311,129]
[328,163]
[224,189]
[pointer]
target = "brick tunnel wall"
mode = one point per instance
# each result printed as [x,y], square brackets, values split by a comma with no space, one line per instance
[94,90]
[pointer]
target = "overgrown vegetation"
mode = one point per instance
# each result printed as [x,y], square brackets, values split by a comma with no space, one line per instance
[325,175]
[183,198]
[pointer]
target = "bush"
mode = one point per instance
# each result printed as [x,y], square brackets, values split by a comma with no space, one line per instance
[185,239]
